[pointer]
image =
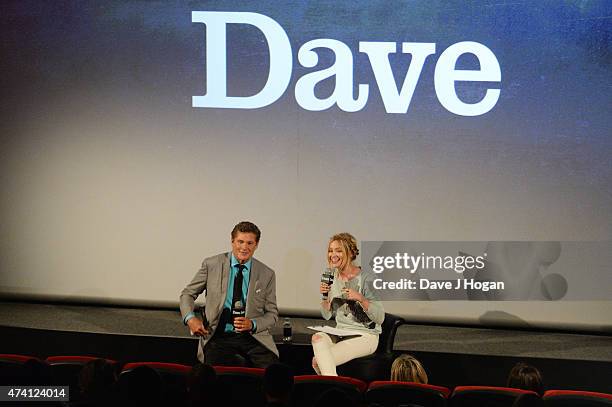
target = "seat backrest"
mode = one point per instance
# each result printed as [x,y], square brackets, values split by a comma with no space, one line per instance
[569,398]
[485,396]
[387,336]
[308,388]
[528,400]
[161,367]
[15,359]
[392,394]
[239,370]
[75,360]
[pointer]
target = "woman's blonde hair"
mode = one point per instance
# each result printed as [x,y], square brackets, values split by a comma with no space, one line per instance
[348,243]
[406,368]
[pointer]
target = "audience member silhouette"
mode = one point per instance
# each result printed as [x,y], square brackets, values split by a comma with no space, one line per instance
[141,387]
[526,377]
[406,368]
[98,383]
[202,386]
[278,385]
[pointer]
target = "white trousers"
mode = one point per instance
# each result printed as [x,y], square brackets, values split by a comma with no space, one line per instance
[329,352]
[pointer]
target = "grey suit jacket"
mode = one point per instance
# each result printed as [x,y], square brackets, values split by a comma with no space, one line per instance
[260,303]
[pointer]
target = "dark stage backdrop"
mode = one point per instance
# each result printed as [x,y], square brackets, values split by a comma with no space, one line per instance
[127,156]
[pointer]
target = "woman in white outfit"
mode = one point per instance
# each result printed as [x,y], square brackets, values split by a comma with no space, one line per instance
[351,301]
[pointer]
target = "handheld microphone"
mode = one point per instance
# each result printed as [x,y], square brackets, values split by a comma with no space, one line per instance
[327,278]
[237,311]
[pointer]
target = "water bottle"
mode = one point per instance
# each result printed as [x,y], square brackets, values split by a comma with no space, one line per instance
[287,330]
[237,311]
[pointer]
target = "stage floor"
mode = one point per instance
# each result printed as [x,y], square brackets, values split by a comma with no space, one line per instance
[410,337]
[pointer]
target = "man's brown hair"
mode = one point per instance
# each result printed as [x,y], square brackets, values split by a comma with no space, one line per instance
[246,227]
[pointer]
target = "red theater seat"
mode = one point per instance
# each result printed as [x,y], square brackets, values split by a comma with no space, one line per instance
[308,388]
[571,398]
[10,358]
[74,360]
[238,370]
[241,386]
[160,367]
[392,394]
[485,396]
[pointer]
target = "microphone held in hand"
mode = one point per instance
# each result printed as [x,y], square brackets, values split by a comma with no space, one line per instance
[327,278]
[237,311]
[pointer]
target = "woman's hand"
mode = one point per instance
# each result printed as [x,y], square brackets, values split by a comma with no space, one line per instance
[350,294]
[324,289]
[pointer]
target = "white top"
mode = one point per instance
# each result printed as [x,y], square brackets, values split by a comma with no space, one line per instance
[352,316]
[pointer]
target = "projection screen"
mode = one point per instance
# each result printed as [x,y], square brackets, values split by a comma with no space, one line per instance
[136,134]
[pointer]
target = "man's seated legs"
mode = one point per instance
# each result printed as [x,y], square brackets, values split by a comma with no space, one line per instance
[224,349]
[259,355]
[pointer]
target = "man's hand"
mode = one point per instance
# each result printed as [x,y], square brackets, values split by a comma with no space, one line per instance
[243,324]
[197,327]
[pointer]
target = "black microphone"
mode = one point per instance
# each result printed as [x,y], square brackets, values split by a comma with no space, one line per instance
[327,278]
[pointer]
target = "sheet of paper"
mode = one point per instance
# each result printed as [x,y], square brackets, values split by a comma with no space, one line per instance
[333,331]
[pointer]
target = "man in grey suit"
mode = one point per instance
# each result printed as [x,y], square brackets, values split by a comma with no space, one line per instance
[230,280]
